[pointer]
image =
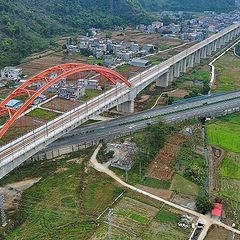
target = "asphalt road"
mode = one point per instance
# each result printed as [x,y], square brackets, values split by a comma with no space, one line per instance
[139,121]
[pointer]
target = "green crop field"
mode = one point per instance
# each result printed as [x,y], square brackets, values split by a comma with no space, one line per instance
[230,168]
[225,133]
[166,216]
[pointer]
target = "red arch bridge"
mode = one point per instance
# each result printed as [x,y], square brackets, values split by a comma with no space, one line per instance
[62,71]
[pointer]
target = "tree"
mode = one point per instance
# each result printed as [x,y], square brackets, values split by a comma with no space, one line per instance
[204,203]
[109,34]
[110,154]
[85,52]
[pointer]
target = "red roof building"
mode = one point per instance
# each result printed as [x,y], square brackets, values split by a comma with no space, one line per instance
[217,211]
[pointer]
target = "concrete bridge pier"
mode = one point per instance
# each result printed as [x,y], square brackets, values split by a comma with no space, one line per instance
[190,61]
[163,80]
[214,46]
[171,74]
[183,65]
[197,56]
[126,107]
[204,52]
[209,49]
[176,69]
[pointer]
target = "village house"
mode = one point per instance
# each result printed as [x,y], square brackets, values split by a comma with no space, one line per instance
[88,83]
[11,73]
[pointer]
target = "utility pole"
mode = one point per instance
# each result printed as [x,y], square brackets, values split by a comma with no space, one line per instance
[4,219]
[110,213]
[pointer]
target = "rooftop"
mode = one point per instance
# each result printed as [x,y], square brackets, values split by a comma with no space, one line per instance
[217,211]
[14,103]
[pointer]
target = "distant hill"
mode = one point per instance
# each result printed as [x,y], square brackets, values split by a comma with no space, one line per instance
[27,26]
[189,5]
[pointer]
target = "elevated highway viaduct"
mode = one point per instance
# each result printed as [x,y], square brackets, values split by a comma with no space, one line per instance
[138,121]
[16,152]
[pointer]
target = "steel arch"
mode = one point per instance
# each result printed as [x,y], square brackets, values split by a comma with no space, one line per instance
[63,71]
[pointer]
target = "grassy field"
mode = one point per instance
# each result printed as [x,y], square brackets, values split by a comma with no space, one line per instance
[184,186]
[43,114]
[65,203]
[227,72]
[185,81]
[225,133]
[89,94]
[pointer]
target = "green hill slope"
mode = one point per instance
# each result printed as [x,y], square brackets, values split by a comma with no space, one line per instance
[27,26]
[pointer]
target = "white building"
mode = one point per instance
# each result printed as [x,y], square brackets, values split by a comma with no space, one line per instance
[11,73]
[134,47]
[108,60]
[71,92]
[88,83]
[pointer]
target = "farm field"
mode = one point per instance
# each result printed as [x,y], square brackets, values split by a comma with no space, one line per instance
[218,233]
[227,73]
[230,177]
[225,133]
[69,198]
[137,220]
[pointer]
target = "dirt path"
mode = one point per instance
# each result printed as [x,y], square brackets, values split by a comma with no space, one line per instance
[101,168]
[155,104]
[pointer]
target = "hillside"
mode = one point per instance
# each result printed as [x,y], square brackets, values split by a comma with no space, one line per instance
[188,5]
[28,26]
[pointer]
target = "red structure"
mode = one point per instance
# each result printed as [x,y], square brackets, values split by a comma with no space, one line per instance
[217,211]
[63,71]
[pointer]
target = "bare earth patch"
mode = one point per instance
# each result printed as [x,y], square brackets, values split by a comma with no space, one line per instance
[161,166]
[218,233]
[144,98]
[13,192]
[76,160]
[178,93]
[60,170]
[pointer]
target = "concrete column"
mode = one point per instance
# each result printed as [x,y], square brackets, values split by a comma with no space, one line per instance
[177,69]
[197,56]
[163,80]
[215,46]
[126,107]
[190,62]
[203,52]
[228,37]
[218,43]
[209,49]
[171,73]
[184,65]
